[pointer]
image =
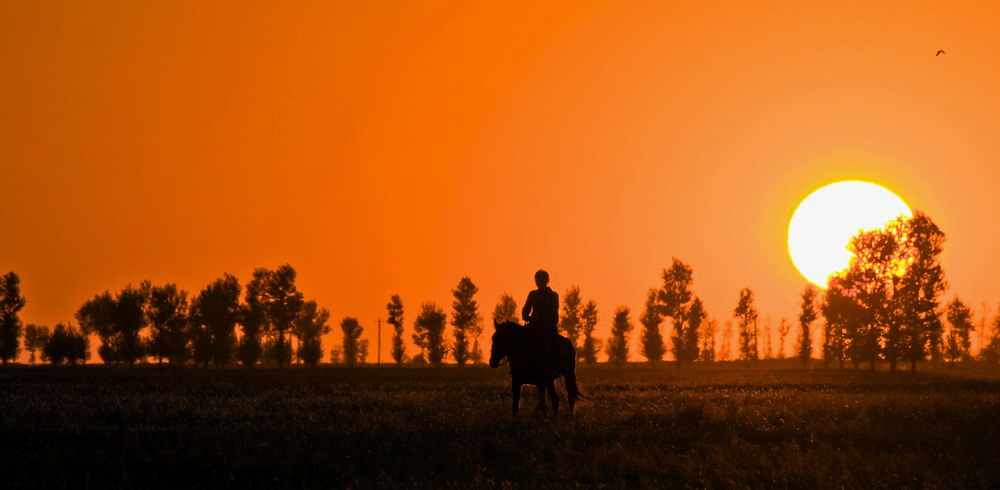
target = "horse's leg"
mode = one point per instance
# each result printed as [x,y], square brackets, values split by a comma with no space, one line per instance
[516,391]
[541,401]
[555,399]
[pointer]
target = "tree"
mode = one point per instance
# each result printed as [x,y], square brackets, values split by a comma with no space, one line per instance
[768,349]
[505,310]
[168,320]
[11,302]
[783,329]
[214,315]
[726,351]
[395,310]
[618,343]
[960,325]
[921,286]
[871,273]
[350,347]
[363,351]
[746,320]
[676,300]
[569,324]
[97,316]
[310,327]
[129,321]
[466,321]
[335,355]
[708,340]
[991,351]
[253,319]
[282,302]
[588,321]
[807,316]
[652,347]
[429,333]
[35,338]
[65,344]
[843,317]
[895,279]
[696,315]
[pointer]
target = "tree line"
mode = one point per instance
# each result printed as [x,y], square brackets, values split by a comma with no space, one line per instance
[276,324]
[885,307]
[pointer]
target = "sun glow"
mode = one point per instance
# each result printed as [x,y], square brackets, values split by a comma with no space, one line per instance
[824,223]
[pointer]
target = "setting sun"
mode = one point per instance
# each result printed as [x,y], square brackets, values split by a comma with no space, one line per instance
[824,223]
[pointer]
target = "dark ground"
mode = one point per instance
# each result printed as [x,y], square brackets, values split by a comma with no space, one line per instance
[385,427]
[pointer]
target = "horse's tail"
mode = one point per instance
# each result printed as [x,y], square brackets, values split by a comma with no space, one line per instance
[572,389]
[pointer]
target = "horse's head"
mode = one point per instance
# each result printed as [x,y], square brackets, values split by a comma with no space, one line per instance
[502,338]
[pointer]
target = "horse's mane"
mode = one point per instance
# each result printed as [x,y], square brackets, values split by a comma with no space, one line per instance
[509,324]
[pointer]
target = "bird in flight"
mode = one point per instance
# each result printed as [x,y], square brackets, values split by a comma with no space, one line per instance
[939,53]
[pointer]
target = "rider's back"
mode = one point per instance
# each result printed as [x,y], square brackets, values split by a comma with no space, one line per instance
[541,310]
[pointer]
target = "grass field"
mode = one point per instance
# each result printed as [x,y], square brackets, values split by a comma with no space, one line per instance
[378,427]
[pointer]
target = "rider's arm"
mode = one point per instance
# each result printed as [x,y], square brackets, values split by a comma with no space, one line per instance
[528,303]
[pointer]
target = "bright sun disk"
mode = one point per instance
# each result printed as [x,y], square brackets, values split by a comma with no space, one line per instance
[824,223]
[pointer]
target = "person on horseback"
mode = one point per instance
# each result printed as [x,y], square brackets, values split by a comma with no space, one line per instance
[541,316]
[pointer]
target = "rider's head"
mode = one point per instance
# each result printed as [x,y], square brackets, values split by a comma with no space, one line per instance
[541,278]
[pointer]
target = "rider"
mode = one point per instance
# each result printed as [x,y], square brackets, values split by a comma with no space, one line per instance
[541,313]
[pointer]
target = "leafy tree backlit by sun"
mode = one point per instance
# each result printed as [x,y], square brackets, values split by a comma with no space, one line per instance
[885,304]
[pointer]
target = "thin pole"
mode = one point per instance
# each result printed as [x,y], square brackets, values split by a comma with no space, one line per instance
[379,355]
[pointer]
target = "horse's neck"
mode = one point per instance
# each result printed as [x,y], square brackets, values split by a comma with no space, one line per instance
[520,346]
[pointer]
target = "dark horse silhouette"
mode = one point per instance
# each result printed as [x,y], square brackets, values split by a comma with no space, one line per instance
[529,366]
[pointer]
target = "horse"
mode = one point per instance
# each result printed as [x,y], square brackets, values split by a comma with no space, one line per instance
[528,365]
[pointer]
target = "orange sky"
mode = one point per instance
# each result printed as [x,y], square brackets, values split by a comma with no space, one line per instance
[393,147]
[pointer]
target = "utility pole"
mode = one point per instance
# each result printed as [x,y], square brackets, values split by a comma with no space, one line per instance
[379,355]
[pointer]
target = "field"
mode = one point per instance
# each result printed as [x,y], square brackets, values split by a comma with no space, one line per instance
[718,426]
